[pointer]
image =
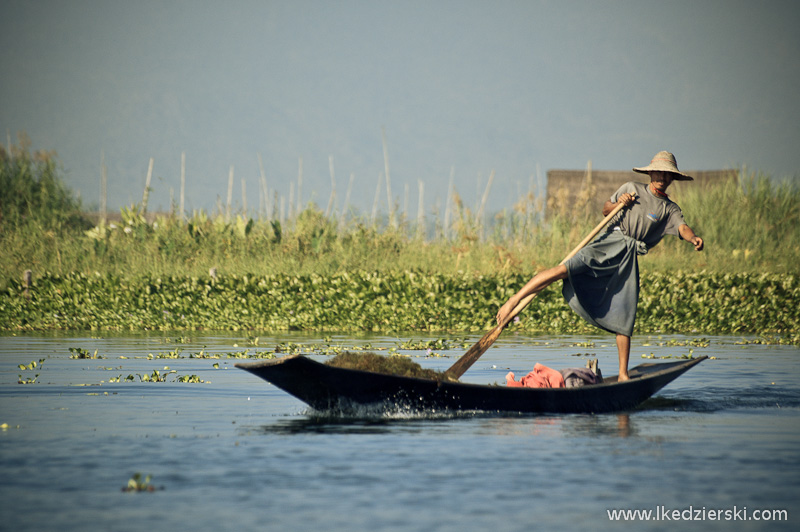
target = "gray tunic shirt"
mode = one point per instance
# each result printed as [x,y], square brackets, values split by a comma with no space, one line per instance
[649,218]
[602,285]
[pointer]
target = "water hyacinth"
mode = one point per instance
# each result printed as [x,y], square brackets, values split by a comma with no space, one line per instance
[702,302]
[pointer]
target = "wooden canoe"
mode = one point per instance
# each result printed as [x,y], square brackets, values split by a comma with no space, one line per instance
[328,388]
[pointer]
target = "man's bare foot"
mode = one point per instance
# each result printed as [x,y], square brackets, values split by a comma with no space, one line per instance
[623,377]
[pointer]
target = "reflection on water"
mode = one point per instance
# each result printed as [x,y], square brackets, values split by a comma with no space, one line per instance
[614,425]
[522,425]
[327,425]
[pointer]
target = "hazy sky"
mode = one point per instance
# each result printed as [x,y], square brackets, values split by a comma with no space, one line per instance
[473,86]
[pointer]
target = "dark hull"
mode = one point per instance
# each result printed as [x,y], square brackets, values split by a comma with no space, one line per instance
[325,388]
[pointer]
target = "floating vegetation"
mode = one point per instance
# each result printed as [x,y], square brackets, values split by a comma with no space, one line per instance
[178,340]
[234,354]
[157,376]
[583,344]
[685,356]
[29,367]
[441,344]
[78,352]
[175,353]
[292,348]
[695,342]
[793,339]
[192,378]
[136,484]
[33,365]
[387,365]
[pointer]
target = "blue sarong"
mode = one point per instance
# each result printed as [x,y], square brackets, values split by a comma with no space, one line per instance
[602,285]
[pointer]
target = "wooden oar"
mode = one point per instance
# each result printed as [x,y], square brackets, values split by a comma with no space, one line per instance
[461,365]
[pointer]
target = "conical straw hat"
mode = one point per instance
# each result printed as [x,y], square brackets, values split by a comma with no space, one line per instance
[664,161]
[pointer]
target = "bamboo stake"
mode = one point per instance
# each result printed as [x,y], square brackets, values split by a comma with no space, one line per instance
[300,185]
[375,202]
[147,185]
[261,202]
[530,211]
[103,189]
[346,201]
[392,220]
[483,202]
[183,185]
[329,210]
[541,193]
[264,189]
[448,202]
[405,202]
[438,228]
[244,197]
[292,214]
[486,194]
[230,195]
[389,202]
[421,209]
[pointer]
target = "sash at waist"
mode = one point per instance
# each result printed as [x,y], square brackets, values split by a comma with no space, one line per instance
[641,247]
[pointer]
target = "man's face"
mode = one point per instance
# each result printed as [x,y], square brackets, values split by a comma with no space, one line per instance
[661,180]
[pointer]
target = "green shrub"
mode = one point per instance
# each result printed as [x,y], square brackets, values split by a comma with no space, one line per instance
[33,192]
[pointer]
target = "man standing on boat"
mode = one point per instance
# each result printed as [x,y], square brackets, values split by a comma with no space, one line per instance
[601,282]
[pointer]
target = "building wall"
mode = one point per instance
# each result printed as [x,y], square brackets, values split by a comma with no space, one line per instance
[587,190]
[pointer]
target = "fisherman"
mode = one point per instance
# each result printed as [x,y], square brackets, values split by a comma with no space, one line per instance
[601,282]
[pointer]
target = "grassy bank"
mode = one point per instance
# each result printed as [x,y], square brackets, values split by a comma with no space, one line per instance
[313,271]
[753,226]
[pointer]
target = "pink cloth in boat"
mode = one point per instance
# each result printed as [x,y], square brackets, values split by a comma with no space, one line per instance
[540,377]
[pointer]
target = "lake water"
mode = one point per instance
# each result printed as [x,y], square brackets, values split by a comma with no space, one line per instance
[238,454]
